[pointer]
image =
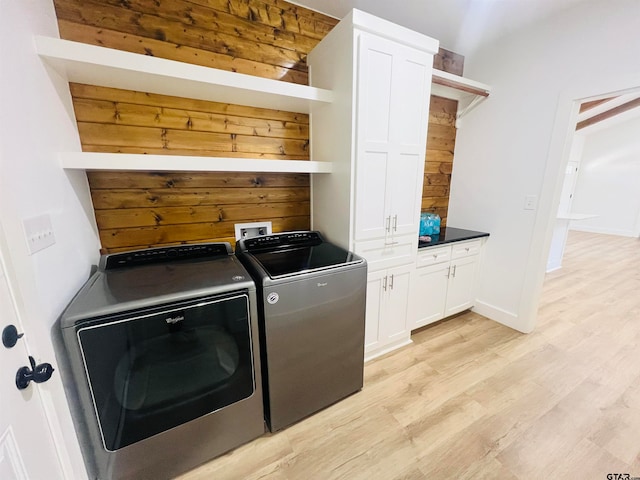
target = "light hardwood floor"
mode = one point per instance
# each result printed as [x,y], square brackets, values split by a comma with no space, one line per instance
[472,399]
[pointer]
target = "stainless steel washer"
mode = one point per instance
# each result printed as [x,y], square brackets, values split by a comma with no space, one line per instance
[159,356]
[312,317]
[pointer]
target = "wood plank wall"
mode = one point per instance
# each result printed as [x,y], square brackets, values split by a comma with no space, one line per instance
[267,38]
[441,139]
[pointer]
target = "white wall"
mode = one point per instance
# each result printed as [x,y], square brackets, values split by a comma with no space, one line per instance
[36,124]
[608,183]
[515,143]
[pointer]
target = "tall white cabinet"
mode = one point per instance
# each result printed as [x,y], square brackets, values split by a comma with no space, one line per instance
[374,133]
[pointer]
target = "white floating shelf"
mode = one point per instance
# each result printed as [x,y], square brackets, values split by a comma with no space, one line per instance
[127,161]
[468,93]
[93,65]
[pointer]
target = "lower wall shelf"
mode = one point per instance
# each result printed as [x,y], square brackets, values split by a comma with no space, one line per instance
[126,161]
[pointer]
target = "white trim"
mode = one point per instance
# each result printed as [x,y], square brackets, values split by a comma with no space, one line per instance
[10,453]
[387,349]
[601,230]
[384,28]
[509,319]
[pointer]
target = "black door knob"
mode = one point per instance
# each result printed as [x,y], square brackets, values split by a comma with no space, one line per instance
[10,336]
[38,373]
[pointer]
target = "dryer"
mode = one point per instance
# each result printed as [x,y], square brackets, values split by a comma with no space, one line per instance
[159,355]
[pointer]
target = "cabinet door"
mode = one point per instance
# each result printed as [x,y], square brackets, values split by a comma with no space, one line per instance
[373,136]
[428,294]
[462,283]
[394,326]
[408,131]
[376,290]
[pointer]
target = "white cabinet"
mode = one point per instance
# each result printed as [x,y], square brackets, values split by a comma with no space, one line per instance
[387,301]
[374,134]
[443,282]
[392,101]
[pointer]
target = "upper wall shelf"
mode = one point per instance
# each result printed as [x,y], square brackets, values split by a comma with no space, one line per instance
[468,93]
[126,161]
[93,65]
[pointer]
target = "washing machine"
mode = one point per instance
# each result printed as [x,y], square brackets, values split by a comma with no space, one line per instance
[159,355]
[311,300]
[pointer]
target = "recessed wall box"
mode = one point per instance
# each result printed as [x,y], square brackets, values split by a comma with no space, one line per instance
[246,230]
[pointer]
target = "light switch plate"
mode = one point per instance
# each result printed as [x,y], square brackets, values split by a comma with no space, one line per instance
[38,232]
[530,202]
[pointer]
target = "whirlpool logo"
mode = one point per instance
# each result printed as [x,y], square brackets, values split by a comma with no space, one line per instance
[174,320]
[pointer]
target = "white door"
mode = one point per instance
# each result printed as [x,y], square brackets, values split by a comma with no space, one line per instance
[27,450]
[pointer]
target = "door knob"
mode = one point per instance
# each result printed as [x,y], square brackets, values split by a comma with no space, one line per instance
[38,373]
[10,336]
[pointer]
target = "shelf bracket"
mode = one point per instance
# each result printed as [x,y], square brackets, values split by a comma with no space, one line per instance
[463,110]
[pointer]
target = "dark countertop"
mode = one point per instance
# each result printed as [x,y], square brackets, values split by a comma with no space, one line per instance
[451,234]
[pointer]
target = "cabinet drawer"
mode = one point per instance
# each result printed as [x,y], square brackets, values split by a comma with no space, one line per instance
[465,249]
[380,255]
[432,256]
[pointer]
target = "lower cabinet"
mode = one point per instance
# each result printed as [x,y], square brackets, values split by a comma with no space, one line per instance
[443,282]
[387,303]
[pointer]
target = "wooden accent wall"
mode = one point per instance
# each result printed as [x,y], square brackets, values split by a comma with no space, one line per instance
[266,38]
[441,140]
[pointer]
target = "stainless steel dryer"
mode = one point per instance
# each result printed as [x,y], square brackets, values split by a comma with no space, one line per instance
[312,316]
[159,356]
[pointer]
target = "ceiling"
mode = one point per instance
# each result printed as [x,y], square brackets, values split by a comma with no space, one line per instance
[464,25]
[460,25]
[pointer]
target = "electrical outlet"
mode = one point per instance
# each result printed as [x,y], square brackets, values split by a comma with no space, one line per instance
[255,229]
[39,233]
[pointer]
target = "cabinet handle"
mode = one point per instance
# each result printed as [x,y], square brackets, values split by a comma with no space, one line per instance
[388,227]
[454,271]
[395,222]
[391,283]
[449,272]
[386,244]
[384,283]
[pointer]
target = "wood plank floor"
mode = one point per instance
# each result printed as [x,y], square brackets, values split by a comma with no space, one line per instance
[471,399]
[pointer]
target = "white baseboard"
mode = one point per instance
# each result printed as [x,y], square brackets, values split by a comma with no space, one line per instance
[499,315]
[605,231]
[386,349]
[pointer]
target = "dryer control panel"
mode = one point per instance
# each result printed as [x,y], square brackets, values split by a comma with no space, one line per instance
[164,254]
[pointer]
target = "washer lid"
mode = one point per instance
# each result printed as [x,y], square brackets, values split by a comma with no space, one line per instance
[296,253]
